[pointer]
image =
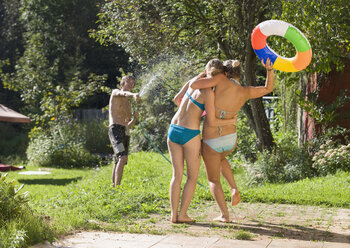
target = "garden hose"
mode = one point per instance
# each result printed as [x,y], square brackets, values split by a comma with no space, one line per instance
[157,148]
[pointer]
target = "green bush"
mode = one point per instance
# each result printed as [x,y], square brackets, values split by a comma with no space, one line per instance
[63,145]
[20,226]
[96,137]
[330,151]
[285,163]
[331,157]
[246,149]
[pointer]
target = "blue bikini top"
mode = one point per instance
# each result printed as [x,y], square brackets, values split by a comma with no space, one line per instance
[200,105]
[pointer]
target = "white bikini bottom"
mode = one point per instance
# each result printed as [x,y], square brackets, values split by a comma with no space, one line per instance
[222,143]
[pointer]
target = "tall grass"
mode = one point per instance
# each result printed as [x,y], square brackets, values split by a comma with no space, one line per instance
[20,226]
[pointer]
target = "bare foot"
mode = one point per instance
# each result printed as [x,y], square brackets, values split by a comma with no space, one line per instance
[221,218]
[173,218]
[235,197]
[185,219]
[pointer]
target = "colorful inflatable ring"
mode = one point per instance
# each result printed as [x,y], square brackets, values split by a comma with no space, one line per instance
[274,27]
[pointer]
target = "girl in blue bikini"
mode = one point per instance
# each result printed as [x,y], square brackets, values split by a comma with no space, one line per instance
[184,143]
[219,141]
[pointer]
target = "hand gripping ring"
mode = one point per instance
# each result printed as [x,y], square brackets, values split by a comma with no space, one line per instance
[275,27]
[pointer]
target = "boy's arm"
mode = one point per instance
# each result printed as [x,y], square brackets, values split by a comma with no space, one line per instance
[209,102]
[125,93]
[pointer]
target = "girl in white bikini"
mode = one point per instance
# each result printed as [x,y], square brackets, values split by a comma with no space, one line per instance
[218,142]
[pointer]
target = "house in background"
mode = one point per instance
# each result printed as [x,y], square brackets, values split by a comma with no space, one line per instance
[330,87]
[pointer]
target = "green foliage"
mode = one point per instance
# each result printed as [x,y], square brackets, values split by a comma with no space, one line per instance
[329,150]
[317,19]
[57,70]
[331,190]
[243,235]
[159,85]
[331,157]
[285,163]
[246,149]
[96,137]
[44,95]
[197,28]
[20,226]
[286,107]
[63,145]
[164,25]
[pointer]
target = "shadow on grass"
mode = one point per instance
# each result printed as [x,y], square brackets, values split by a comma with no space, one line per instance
[50,181]
[284,231]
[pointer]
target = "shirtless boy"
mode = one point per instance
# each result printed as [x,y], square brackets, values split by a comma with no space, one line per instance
[119,123]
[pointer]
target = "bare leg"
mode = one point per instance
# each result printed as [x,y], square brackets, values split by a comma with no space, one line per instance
[228,175]
[193,161]
[212,161]
[177,159]
[119,170]
[114,169]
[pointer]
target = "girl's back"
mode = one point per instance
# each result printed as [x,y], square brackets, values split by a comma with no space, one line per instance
[229,98]
[190,110]
[229,95]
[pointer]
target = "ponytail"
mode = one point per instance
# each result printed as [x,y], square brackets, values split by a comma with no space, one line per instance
[232,68]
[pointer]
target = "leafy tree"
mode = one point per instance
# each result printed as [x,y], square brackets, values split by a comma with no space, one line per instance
[199,29]
[61,66]
[11,45]
[326,25]
[10,29]
[38,81]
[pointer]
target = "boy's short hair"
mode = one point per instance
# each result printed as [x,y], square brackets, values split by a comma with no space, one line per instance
[126,79]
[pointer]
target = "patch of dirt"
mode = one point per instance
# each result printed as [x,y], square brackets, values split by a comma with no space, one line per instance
[263,221]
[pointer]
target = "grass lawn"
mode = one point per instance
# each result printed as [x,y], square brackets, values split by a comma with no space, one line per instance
[85,199]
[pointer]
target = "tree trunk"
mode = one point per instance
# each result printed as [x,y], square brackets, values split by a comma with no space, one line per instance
[261,124]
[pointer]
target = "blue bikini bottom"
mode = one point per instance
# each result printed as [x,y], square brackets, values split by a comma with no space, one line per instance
[222,143]
[181,135]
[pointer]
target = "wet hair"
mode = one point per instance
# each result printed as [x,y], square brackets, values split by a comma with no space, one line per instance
[232,68]
[126,79]
[214,67]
